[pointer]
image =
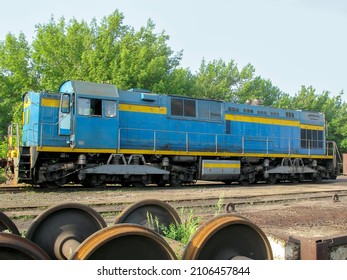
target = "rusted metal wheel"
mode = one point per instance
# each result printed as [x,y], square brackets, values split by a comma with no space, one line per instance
[14,247]
[152,213]
[7,224]
[230,207]
[124,242]
[61,229]
[228,237]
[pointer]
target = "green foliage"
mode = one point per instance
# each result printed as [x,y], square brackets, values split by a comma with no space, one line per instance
[179,82]
[262,89]
[219,205]
[145,60]
[334,109]
[152,222]
[108,52]
[3,148]
[2,176]
[219,80]
[184,231]
[16,76]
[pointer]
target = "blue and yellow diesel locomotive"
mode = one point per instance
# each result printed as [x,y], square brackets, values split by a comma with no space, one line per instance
[94,134]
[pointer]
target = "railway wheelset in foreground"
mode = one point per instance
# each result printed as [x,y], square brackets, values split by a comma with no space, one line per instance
[96,134]
[76,231]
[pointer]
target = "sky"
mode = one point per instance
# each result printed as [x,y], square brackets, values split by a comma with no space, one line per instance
[290,42]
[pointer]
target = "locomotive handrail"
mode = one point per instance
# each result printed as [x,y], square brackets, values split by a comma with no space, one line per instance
[41,124]
[10,134]
[215,141]
[338,161]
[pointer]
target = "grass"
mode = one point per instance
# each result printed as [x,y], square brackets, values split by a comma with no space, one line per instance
[2,176]
[24,217]
[189,225]
[183,231]
[219,205]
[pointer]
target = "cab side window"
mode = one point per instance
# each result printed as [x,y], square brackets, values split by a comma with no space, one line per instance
[89,106]
[110,108]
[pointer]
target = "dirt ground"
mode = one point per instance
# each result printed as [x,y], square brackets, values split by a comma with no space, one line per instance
[306,217]
[310,219]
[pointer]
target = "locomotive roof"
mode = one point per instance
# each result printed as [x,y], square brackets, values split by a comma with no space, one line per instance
[89,88]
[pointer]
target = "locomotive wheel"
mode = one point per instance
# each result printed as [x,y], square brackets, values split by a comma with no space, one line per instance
[244,182]
[49,185]
[272,179]
[14,247]
[138,184]
[174,181]
[93,181]
[7,224]
[124,242]
[125,184]
[228,237]
[317,179]
[61,182]
[295,180]
[62,228]
[152,213]
[160,182]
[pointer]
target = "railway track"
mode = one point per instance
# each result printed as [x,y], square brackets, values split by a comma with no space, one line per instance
[196,203]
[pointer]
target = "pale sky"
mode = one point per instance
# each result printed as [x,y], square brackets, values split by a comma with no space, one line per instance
[290,42]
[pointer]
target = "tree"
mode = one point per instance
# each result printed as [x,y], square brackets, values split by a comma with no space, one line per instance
[220,80]
[145,60]
[109,52]
[179,81]
[59,52]
[15,77]
[103,51]
[262,89]
[334,109]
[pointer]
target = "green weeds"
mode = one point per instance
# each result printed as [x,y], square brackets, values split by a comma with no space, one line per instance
[184,230]
[189,225]
[2,176]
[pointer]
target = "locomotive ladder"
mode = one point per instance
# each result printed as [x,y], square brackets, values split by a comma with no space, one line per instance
[18,156]
[338,159]
[24,170]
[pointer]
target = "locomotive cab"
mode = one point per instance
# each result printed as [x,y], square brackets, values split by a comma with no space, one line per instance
[82,115]
[58,127]
[89,115]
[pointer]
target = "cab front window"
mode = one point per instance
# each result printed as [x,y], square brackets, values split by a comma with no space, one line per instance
[65,103]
